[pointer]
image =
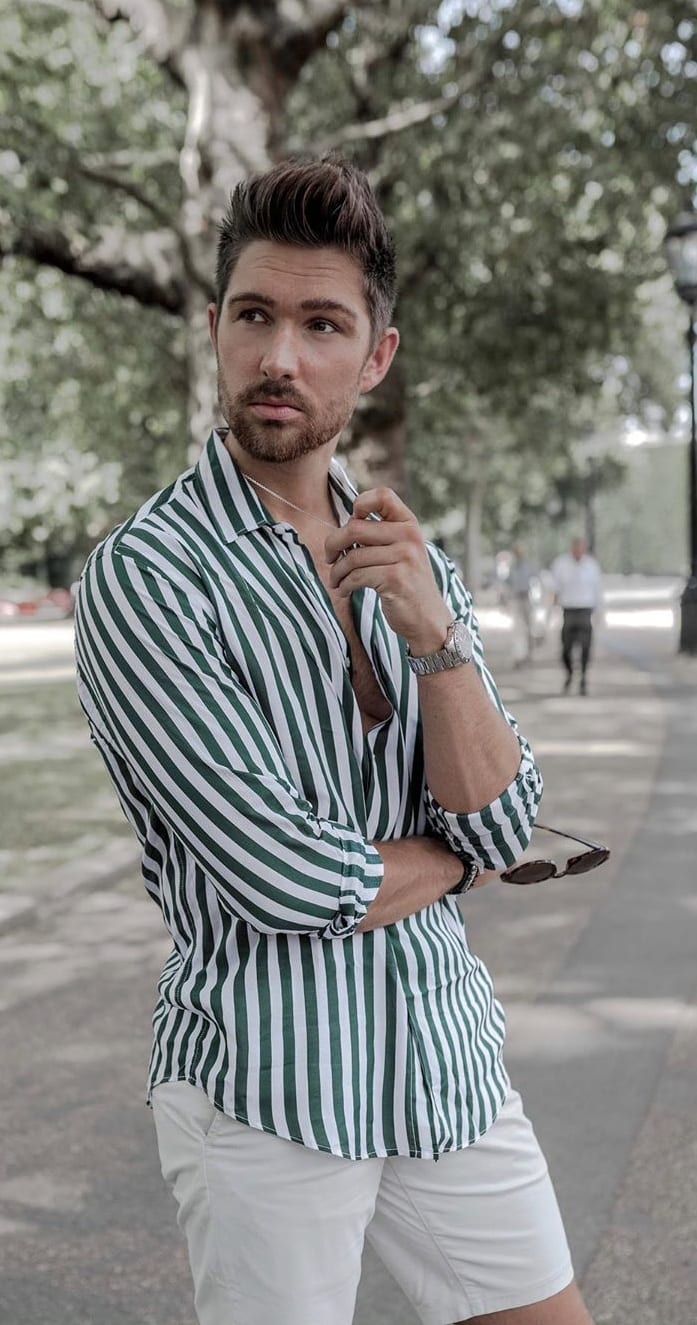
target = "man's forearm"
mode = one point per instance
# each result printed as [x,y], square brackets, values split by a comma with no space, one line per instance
[418,871]
[471,753]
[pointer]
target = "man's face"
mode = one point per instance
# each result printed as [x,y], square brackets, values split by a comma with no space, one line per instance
[578,548]
[293,345]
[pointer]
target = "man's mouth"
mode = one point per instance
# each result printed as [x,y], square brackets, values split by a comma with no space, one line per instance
[274,409]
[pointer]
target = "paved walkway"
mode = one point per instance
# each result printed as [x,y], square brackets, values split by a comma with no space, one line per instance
[597,976]
[596,973]
[603,1021]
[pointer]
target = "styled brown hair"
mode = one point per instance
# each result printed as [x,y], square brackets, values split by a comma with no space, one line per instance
[315,204]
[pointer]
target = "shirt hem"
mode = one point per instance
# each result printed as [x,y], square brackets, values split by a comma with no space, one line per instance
[387,1153]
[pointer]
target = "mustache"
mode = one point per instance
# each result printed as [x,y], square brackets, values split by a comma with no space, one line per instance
[272,391]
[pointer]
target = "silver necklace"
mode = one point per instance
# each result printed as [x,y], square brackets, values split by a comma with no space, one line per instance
[278,497]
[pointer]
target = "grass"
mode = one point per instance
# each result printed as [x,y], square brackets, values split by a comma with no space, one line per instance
[57,800]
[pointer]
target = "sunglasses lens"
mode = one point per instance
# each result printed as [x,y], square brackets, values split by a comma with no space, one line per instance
[533,871]
[588,861]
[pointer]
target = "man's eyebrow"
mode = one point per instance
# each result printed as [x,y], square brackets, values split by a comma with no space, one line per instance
[251,297]
[327,306]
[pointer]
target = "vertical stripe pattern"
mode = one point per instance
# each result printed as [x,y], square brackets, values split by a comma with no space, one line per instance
[215,679]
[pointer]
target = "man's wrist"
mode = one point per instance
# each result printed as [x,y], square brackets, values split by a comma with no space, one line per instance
[469,872]
[430,638]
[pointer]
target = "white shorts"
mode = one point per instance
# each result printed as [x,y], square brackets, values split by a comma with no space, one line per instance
[276,1230]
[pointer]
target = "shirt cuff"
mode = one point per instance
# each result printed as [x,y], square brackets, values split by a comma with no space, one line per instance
[497,835]
[362,873]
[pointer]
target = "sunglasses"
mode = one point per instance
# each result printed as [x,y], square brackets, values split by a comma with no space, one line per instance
[535,871]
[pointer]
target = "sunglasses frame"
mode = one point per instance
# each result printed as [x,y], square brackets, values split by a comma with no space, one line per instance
[507,875]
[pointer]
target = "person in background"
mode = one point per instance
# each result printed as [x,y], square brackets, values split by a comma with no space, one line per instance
[578,591]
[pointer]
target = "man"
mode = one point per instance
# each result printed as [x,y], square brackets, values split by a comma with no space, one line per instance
[578,591]
[287,687]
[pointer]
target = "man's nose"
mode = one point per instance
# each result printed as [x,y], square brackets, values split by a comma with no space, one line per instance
[280,357]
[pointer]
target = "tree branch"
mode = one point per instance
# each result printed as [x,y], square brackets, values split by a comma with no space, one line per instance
[294,40]
[408,114]
[161,24]
[126,186]
[151,273]
[395,121]
[74,7]
[160,214]
[125,158]
[151,19]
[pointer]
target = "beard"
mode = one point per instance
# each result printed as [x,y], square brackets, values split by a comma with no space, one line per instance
[279,440]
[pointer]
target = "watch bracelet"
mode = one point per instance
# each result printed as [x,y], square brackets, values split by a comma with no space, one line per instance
[434,665]
[444,659]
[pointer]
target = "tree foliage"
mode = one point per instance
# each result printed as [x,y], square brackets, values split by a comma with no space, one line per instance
[527,153]
[530,219]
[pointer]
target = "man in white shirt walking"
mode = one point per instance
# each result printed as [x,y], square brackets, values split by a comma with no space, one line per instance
[578,589]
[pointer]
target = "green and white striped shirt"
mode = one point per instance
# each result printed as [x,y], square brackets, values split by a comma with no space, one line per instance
[216,680]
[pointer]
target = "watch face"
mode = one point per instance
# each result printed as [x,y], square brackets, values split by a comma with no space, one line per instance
[461,639]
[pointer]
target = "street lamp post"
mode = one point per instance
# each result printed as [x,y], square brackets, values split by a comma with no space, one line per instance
[681,250]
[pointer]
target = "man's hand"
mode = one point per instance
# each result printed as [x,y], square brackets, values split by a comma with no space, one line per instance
[391,557]
[471,754]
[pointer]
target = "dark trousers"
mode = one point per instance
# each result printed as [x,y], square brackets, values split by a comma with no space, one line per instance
[577,629]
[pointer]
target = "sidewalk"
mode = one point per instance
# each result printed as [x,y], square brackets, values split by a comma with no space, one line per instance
[593,749]
[64,833]
[597,975]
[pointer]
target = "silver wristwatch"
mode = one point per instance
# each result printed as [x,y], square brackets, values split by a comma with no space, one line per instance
[458,649]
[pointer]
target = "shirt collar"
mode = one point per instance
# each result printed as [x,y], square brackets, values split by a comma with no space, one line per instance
[233,503]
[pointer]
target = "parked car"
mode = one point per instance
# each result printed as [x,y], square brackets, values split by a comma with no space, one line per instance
[53,604]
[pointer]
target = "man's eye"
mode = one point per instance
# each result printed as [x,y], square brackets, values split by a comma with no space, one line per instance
[321,324]
[250,315]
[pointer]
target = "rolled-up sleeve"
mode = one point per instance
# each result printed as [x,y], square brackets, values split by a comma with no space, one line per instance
[162,698]
[496,835]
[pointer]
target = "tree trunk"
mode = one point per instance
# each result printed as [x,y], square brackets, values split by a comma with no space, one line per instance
[229,127]
[238,63]
[473,536]
[377,447]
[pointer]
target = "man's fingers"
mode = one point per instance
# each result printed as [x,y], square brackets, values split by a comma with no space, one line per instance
[366,533]
[362,557]
[383,502]
[375,576]
[395,521]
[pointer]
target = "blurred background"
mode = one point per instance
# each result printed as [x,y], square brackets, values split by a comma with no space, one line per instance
[531,156]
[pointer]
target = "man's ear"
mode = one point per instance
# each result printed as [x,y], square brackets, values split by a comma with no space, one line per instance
[378,362]
[213,325]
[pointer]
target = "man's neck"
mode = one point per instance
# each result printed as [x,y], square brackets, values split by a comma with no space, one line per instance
[303,482]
